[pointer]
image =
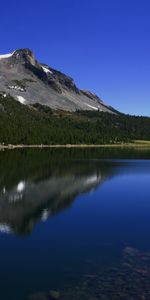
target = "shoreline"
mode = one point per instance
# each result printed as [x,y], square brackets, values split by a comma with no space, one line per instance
[136,144]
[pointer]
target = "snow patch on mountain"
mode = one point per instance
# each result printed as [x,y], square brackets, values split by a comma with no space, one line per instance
[15,87]
[95,108]
[46,70]
[6,55]
[21,99]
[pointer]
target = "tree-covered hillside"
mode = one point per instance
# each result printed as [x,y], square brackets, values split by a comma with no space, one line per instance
[21,124]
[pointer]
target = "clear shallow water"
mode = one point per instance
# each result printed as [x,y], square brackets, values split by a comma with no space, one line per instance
[76,222]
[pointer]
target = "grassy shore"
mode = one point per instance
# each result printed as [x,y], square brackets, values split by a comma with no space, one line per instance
[134,144]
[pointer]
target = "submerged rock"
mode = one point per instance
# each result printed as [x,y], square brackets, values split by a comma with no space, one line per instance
[38,296]
[54,295]
[129,280]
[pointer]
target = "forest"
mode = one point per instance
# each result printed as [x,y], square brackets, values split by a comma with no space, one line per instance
[38,124]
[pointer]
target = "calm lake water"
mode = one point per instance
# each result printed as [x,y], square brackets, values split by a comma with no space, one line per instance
[75,224]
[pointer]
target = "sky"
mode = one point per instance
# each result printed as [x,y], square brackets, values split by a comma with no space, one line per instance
[103,44]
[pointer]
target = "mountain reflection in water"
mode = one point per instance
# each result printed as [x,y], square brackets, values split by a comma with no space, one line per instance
[35,185]
[45,191]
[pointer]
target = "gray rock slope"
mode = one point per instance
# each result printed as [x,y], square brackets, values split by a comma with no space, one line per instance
[29,82]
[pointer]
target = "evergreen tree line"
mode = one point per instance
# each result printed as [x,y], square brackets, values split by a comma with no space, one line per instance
[37,124]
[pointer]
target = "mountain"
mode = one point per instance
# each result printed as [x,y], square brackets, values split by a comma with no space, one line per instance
[30,82]
[42,106]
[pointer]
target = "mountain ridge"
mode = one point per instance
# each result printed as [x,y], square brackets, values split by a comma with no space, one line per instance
[30,82]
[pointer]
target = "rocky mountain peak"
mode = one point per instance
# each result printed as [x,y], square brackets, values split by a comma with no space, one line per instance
[24,55]
[30,82]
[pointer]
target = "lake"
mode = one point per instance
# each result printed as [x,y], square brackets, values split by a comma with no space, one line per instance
[75,224]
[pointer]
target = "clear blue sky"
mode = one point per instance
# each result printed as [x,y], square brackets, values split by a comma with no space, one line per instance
[103,44]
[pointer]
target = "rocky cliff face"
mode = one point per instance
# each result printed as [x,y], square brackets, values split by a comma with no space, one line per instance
[29,82]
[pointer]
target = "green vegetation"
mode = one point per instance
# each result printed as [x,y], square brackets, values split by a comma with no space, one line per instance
[37,124]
